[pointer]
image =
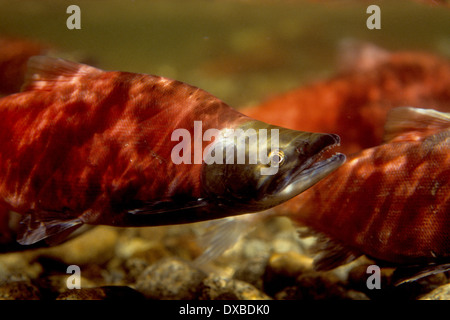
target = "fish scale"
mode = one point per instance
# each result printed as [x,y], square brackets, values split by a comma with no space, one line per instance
[84,146]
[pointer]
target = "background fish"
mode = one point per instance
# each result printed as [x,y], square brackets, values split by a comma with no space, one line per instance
[84,146]
[390,202]
[354,103]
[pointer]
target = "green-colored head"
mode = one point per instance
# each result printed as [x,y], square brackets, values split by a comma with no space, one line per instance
[258,166]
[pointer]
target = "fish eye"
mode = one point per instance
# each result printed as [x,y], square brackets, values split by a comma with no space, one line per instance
[277,156]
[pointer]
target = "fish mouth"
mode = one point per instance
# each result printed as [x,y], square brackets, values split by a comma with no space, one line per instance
[319,169]
[315,168]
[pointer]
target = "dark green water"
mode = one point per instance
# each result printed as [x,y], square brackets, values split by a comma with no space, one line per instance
[241,51]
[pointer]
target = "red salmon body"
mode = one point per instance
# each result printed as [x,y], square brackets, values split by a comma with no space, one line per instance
[390,202]
[81,145]
[122,140]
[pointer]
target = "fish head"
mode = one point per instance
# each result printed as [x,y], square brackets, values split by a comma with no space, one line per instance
[258,166]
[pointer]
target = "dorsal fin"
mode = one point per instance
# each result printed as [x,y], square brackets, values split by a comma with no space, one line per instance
[402,122]
[44,71]
[356,55]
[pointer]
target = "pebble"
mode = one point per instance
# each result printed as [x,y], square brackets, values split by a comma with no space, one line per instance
[255,248]
[290,263]
[252,271]
[18,266]
[319,286]
[283,268]
[440,293]
[170,279]
[19,290]
[216,287]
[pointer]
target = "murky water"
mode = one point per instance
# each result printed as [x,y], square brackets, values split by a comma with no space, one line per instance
[241,51]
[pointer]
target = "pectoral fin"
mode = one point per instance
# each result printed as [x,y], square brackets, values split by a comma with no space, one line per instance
[33,228]
[222,234]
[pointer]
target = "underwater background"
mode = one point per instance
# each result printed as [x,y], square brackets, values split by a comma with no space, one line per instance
[243,52]
[240,51]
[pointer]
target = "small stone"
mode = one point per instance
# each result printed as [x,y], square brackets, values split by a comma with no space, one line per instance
[283,268]
[19,290]
[252,271]
[284,244]
[19,265]
[101,293]
[290,263]
[220,288]
[170,279]
[318,286]
[133,256]
[440,293]
[255,248]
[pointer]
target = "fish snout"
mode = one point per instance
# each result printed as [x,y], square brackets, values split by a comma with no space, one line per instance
[315,147]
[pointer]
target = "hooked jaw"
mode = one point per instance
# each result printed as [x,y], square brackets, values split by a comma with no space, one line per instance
[296,161]
[317,161]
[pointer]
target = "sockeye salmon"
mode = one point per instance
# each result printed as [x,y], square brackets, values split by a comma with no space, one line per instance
[390,202]
[83,146]
[354,103]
